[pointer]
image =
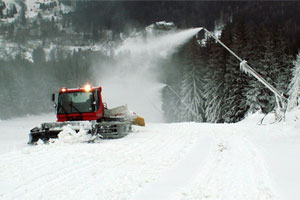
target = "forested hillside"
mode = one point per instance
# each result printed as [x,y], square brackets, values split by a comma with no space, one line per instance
[225,93]
[51,44]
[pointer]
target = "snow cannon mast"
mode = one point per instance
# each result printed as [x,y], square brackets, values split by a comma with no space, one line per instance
[281,101]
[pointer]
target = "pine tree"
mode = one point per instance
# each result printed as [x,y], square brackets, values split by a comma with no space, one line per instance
[257,55]
[214,86]
[2,7]
[263,60]
[284,61]
[236,82]
[171,104]
[270,67]
[170,101]
[294,86]
[191,88]
[38,55]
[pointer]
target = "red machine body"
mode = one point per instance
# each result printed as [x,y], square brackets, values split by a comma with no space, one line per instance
[83,109]
[95,112]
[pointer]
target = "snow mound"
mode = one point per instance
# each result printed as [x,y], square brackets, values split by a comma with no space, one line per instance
[291,117]
[70,136]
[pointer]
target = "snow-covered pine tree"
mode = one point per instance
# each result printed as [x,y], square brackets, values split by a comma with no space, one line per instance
[284,61]
[255,58]
[170,105]
[269,69]
[274,71]
[236,82]
[170,101]
[191,88]
[294,86]
[214,82]
[264,61]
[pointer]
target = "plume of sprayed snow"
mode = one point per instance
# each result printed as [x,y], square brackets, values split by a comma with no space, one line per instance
[163,45]
[133,78]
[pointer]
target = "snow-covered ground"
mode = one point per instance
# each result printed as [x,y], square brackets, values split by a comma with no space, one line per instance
[159,161]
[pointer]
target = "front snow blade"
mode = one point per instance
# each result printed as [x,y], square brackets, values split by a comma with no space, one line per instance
[37,134]
[104,130]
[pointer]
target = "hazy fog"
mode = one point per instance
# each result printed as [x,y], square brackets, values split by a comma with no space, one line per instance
[133,78]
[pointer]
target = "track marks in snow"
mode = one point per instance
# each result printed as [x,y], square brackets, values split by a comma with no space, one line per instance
[159,158]
[178,176]
[234,170]
[111,169]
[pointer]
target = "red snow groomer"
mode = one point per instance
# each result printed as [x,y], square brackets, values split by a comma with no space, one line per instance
[83,108]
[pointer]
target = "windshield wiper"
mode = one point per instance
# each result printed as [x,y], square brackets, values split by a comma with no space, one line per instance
[63,108]
[71,104]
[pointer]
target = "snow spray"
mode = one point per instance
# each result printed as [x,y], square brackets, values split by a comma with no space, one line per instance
[132,79]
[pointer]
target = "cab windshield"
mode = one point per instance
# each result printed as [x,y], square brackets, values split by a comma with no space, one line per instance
[76,102]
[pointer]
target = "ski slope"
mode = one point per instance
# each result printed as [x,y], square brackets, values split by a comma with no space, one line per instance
[183,161]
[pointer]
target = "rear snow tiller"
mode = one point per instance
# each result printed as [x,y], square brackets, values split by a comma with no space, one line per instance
[83,108]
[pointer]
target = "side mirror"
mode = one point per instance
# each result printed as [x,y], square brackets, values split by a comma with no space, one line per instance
[53,100]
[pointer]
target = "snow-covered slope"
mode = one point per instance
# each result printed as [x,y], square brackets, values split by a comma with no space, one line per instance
[159,161]
[9,10]
[46,8]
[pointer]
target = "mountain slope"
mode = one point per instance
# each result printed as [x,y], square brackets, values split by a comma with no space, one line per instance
[159,161]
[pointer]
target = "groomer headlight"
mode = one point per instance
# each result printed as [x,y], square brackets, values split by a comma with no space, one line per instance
[87,87]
